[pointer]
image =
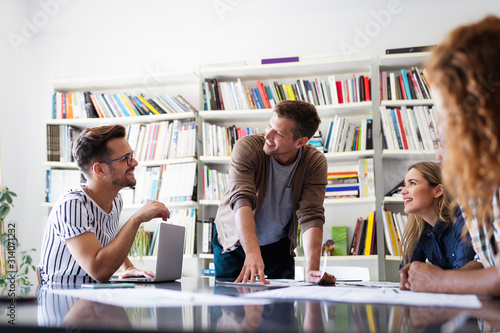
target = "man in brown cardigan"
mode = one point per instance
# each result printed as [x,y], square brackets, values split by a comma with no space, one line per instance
[278,182]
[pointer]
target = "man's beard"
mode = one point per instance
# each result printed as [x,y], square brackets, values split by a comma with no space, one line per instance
[122,181]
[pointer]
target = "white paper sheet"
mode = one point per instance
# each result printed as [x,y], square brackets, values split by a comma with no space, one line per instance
[151,297]
[373,284]
[272,283]
[369,295]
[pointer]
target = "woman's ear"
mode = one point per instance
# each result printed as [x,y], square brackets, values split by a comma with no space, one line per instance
[438,191]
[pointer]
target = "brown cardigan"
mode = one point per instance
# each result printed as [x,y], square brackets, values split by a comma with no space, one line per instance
[249,174]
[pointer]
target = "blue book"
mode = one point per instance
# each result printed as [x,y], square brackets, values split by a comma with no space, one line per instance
[153,240]
[342,187]
[256,97]
[405,82]
[121,105]
[315,143]
[270,94]
[329,137]
[354,147]
[208,271]
[54,111]
[396,127]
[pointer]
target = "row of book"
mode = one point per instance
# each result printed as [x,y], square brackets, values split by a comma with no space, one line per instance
[215,183]
[167,183]
[344,135]
[182,217]
[162,140]
[408,85]
[394,226]
[85,104]
[220,140]
[357,181]
[59,138]
[364,238]
[233,95]
[410,128]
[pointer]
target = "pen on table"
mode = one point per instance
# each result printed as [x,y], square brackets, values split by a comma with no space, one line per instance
[323,269]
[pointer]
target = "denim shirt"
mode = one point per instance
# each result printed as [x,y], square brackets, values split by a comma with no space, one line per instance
[443,244]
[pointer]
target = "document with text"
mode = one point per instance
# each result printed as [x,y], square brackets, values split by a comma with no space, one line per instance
[368,295]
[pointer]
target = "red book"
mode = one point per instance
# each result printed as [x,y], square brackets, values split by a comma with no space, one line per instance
[262,91]
[401,127]
[356,237]
[402,87]
[367,88]
[339,92]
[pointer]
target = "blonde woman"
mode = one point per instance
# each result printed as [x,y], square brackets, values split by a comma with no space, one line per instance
[465,75]
[435,222]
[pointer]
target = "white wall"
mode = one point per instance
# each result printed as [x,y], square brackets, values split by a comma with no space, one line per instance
[77,38]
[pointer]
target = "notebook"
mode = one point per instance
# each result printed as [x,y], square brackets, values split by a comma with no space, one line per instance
[170,254]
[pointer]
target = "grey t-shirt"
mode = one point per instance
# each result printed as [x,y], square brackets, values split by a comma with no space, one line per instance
[273,219]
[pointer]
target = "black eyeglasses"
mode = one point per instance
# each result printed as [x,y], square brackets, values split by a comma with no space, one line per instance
[127,157]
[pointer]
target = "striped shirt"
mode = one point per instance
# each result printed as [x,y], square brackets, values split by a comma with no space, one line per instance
[486,247]
[74,214]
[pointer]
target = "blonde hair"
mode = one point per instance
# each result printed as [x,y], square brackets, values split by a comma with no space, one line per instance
[465,70]
[431,172]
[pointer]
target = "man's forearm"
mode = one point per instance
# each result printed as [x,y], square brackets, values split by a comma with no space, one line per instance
[116,252]
[245,228]
[312,239]
[101,262]
[483,282]
[126,264]
[471,265]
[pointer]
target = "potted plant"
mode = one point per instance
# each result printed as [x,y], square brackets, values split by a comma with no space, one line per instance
[12,269]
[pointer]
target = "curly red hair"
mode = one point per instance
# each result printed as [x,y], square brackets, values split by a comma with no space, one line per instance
[465,70]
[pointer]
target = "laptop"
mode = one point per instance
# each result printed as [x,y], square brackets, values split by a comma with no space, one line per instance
[170,255]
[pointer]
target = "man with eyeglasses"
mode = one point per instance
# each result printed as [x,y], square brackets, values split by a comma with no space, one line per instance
[81,243]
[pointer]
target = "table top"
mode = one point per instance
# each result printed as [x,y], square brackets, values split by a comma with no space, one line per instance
[61,312]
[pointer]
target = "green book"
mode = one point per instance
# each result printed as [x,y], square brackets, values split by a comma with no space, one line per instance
[339,236]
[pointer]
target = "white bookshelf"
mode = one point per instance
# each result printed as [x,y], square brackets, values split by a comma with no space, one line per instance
[188,83]
[287,73]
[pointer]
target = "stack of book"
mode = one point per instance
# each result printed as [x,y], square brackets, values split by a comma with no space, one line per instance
[220,140]
[220,95]
[342,185]
[75,105]
[344,135]
[59,138]
[167,183]
[317,141]
[364,239]
[162,140]
[352,181]
[406,85]
[410,128]
[215,183]
[394,224]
